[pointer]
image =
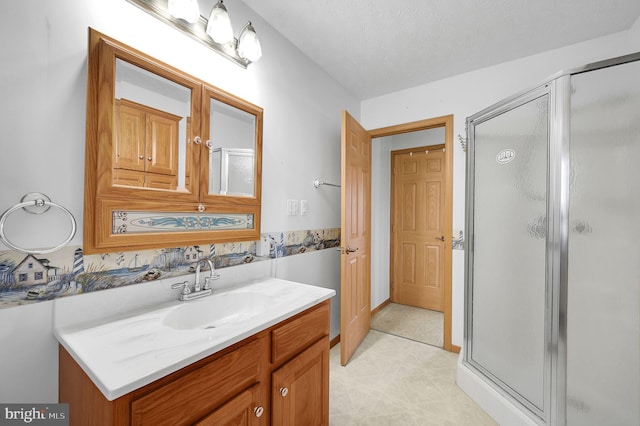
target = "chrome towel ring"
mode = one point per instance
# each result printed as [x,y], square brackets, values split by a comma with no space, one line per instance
[36,203]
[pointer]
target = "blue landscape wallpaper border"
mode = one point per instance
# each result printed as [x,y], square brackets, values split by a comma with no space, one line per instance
[26,279]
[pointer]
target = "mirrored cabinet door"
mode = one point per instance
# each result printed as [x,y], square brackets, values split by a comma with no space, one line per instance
[147,118]
[152,125]
[233,128]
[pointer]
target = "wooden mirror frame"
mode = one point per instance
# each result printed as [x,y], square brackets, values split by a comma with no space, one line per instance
[102,199]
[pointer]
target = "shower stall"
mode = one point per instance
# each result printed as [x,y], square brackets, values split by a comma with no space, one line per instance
[552,273]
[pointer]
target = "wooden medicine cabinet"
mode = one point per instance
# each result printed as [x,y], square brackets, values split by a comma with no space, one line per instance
[170,159]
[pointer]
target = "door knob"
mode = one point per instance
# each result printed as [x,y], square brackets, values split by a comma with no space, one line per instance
[347,250]
[440,238]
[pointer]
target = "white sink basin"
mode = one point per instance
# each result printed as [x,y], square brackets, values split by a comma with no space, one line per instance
[216,311]
[123,354]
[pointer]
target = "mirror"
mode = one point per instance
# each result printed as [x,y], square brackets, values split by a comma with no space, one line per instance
[170,159]
[231,150]
[152,121]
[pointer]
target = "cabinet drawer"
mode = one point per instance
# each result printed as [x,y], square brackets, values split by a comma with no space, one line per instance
[197,393]
[293,337]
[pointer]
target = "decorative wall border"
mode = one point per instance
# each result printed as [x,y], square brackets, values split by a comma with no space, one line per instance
[458,239]
[26,279]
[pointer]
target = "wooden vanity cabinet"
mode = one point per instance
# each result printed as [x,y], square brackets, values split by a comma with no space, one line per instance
[240,385]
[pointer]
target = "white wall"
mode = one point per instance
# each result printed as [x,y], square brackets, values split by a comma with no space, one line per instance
[468,93]
[43,46]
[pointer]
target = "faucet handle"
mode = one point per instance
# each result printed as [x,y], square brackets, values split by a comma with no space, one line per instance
[184,285]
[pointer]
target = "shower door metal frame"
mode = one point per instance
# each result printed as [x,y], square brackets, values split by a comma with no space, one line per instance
[552,254]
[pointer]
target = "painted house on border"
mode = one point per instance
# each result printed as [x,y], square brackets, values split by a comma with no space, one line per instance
[192,253]
[32,271]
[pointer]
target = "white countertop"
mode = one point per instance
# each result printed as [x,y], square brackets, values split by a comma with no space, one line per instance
[125,354]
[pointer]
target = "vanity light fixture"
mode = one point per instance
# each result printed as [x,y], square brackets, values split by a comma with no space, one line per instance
[215,32]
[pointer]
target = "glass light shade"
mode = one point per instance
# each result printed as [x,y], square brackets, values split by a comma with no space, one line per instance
[219,24]
[248,44]
[184,9]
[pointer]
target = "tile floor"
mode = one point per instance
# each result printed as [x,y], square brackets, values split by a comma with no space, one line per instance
[423,325]
[396,381]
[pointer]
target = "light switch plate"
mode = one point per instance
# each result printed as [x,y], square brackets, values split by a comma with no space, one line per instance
[293,207]
[304,207]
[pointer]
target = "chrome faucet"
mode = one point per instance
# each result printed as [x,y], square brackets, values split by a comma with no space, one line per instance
[199,290]
[213,275]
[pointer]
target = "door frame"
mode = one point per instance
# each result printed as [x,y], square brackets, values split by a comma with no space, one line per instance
[445,121]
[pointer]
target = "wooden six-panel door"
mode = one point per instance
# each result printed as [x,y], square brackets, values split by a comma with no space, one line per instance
[355,264]
[417,227]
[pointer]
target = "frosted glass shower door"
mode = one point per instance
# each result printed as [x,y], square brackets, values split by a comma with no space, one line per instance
[603,319]
[507,328]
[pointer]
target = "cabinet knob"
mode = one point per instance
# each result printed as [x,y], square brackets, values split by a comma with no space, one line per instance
[284,391]
[149,158]
[140,157]
[201,208]
[197,140]
[258,411]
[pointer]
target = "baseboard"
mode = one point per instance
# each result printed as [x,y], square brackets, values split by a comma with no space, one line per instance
[380,307]
[334,341]
[455,349]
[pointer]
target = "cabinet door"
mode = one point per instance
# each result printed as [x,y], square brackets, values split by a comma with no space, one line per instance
[300,389]
[243,410]
[162,144]
[129,151]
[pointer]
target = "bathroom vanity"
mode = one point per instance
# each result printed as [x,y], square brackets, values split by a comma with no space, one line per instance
[185,364]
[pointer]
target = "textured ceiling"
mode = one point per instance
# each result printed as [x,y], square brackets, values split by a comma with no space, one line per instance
[374,47]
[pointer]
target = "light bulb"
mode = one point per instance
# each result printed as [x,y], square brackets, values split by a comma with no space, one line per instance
[248,44]
[219,24]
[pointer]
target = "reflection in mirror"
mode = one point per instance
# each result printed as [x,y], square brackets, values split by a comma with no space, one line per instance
[231,144]
[152,124]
